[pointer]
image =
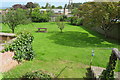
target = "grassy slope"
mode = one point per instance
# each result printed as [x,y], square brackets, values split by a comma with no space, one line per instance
[55,50]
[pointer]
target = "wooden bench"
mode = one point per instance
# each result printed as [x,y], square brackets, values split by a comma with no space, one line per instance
[42,30]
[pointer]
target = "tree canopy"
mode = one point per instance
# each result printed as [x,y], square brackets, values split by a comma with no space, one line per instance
[14,18]
[99,14]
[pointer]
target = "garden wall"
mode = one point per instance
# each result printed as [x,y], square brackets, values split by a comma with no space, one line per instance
[6,59]
[114,33]
[7,62]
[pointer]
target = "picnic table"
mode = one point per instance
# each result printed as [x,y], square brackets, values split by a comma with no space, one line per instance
[42,30]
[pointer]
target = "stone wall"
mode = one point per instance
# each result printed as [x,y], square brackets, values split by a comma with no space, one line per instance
[7,62]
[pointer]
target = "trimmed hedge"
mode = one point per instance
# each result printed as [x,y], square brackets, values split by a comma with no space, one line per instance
[22,46]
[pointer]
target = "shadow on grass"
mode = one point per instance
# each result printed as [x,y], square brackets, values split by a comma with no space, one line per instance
[109,39]
[78,39]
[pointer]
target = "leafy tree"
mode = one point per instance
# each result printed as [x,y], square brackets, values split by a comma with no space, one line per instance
[98,14]
[47,5]
[14,18]
[59,7]
[36,5]
[30,5]
[76,5]
[53,7]
[65,8]
[16,6]
[60,24]
[43,16]
[101,15]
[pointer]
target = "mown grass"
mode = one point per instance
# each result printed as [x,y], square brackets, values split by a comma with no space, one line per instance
[55,50]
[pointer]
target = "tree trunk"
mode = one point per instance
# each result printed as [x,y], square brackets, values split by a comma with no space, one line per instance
[106,34]
[61,30]
[30,14]
[13,30]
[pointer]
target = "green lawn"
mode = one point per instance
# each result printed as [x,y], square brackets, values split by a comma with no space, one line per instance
[1,76]
[55,50]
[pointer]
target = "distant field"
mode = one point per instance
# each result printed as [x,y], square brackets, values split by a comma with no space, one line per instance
[55,50]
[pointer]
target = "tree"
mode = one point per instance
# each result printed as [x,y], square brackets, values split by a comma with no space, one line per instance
[16,6]
[98,14]
[53,7]
[14,18]
[41,16]
[102,14]
[36,5]
[47,5]
[65,8]
[76,5]
[60,24]
[30,5]
[59,7]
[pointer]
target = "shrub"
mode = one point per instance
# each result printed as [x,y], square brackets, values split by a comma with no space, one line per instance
[38,16]
[63,18]
[73,20]
[40,75]
[79,21]
[21,46]
[76,21]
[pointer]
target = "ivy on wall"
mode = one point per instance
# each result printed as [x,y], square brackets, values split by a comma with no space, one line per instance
[22,46]
[108,74]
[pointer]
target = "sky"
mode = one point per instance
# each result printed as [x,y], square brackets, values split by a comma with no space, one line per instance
[9,3]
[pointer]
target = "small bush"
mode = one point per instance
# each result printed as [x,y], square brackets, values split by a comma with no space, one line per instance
[22,46]
[39,75]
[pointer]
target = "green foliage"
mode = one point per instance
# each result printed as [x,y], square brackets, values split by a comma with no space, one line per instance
[37,74]
[47,6]
[76,21]
[59,7]
[53,7]
[63,18]
[79,21]
[108,74]
[22,46]
[76,5]
[59,23]
[98,14]
[32,5]
[38,16]
[14,18]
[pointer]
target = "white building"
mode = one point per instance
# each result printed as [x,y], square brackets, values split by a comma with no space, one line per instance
[58,11]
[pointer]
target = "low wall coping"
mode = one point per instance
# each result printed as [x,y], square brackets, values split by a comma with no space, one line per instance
[7,34]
